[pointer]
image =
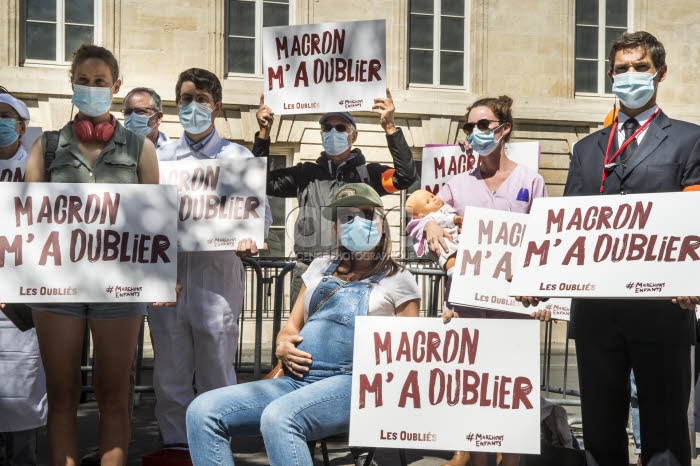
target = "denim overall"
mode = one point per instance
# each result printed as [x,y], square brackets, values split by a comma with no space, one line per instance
[330,330]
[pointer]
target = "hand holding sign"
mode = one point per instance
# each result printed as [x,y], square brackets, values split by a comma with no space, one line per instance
[686,302]
[247,248]
[385,108]
[265,117]
[178,290]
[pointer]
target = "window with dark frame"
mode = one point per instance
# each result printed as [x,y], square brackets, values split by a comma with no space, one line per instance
[245,20]
[598,23]
[53,29]
[436,42]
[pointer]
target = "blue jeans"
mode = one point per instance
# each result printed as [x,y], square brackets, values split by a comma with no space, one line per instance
[287,411]
[290,410]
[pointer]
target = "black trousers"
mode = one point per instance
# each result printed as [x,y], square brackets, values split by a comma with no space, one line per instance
[609,342]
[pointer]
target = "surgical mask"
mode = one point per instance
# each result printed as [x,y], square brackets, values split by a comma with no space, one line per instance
[359,235]
[92,101]
[195,118]
[634,89]
[335,142]
[138,123]
[8,133]
[483,142]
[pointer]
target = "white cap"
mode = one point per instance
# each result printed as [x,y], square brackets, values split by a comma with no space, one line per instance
[17,104]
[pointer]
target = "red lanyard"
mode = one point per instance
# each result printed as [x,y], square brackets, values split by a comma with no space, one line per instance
[609,160]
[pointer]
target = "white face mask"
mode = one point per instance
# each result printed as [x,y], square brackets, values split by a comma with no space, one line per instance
[634,89]
[335,142]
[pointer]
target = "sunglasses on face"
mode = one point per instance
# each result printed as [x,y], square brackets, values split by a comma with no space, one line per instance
[341,128]
[349,215]
[482,124]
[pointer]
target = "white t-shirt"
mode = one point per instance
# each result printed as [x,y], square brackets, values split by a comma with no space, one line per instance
[20,155]
[390,292]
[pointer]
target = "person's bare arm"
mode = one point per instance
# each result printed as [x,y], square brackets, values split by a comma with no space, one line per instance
[409,308]
[295,361]
[147,169]
[35,169]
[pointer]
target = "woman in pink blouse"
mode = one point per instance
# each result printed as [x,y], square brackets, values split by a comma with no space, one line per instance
[496,183]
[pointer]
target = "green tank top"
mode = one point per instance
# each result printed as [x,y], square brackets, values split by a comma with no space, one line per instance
[117,163]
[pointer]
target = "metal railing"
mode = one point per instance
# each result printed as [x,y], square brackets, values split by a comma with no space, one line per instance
[266,304]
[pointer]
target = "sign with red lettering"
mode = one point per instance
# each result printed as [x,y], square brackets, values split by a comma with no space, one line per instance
[488,246]
[442,162]
[616,246]
[12,170]
[421,384]
[320,68]
[87,242]
[220,201]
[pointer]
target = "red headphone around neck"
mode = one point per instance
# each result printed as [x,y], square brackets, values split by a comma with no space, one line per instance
[101,132]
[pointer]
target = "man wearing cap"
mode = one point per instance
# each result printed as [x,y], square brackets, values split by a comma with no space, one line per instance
[14,117]
[315,183]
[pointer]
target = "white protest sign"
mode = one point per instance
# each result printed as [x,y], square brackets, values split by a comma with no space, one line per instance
[488,245]
[525,153]
[87,242]
[220,201]
[12,170]
[616,246]
[471,384]
[320,68]
[441,162]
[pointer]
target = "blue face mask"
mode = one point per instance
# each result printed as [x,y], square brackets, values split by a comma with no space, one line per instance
[335,142]
[195,118]
[92,101]
[359,234]
[483,142]
[138,124]
[634,89]
[8,133]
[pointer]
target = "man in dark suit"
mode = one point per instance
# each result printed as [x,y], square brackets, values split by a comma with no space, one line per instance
[643,151]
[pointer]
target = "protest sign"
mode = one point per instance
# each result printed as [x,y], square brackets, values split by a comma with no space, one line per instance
[220,201]
[12,170]
[616,246]
[441,162]
[320,68]
[87,242]
[488,246]
[470,384]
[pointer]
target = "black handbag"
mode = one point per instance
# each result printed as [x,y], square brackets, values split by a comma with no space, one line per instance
[20,315]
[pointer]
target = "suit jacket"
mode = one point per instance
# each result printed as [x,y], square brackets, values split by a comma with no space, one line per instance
[667,160]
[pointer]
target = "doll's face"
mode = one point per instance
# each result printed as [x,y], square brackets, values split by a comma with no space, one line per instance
[421,203]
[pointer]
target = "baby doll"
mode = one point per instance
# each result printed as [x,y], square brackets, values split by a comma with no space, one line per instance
[424,204]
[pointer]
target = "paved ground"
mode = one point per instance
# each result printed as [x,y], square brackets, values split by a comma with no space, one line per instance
[249,451]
